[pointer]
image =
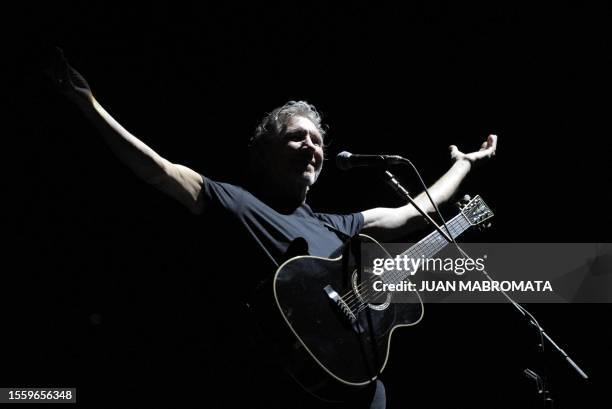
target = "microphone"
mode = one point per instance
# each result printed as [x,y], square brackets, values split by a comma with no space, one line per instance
[346,160]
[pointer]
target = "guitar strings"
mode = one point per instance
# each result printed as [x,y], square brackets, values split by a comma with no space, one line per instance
[358,298]
[455,228]
[425,244]
[451,225]
[361,298]
[431,246]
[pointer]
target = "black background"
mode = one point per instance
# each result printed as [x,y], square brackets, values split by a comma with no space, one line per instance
[103,273]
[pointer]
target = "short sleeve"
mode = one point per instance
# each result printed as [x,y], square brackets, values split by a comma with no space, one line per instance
[349,224]
[223,195]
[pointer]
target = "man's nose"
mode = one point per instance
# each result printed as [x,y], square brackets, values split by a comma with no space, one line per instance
[307,144]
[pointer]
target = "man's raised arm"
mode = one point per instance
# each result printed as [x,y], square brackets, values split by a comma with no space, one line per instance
[180,182]
[390,223]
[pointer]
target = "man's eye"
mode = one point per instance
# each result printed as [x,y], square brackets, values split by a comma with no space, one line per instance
[295,136]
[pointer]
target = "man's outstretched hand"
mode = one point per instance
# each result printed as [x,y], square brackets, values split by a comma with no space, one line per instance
[67,80]
[486,151]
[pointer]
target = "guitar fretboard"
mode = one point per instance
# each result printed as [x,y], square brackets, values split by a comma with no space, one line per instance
[429,246]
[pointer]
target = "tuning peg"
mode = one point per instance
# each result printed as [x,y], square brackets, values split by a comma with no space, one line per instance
[484,226]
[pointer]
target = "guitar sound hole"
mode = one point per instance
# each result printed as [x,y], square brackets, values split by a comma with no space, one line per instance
[366,295]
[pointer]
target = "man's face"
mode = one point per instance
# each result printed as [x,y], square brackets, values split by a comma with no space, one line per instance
[297,155]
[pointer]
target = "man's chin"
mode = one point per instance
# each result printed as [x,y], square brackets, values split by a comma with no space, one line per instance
[307,178]
[311,177]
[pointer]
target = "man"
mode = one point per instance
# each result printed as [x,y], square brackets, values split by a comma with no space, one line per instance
[269,211]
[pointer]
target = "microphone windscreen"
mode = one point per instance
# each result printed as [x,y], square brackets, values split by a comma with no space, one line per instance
[342,160]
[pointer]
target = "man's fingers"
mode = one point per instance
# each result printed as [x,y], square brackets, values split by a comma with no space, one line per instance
[492,140]
[487,150]
[489,147]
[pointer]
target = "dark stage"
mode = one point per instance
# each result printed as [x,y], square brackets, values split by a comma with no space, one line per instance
[105,283]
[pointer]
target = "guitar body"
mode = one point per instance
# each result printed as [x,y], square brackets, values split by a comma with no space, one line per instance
[349,354]
[325,327]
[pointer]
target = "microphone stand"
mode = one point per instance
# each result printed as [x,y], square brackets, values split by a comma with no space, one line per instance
[547,400]
[392,181]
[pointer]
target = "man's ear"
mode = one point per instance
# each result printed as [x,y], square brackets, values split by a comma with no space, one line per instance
[256,156]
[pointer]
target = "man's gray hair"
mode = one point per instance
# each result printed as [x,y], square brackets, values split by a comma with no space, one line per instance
[274,122]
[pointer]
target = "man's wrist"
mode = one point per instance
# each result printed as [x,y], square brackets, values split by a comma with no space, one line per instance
[463,164]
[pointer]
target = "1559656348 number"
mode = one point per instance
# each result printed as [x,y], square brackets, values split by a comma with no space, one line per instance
[40,395]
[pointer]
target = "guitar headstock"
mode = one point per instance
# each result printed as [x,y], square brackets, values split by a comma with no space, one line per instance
[476,211]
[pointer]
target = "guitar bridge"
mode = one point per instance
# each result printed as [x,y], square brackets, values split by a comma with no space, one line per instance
[344,308]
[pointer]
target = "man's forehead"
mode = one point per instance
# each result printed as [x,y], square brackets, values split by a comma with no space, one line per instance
[300,122]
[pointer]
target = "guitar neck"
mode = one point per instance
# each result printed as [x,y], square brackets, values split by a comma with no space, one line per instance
[435,242]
